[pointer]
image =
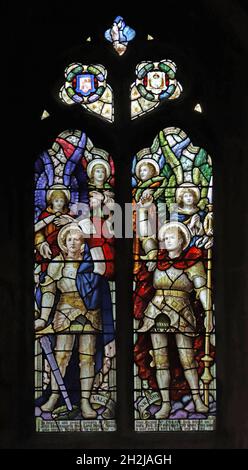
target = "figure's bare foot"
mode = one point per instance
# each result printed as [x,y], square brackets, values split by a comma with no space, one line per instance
[87,410]
[199,405]
[147,324]
[51,402]
[164,411]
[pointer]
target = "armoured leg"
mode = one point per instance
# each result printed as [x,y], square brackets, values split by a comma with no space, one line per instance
[63,350]
[160,351]
[87,350]
[186,354]
[150,315]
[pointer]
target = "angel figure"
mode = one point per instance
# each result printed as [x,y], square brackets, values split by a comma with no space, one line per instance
[55,215]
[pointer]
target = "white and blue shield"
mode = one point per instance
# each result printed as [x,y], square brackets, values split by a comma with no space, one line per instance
[85,84]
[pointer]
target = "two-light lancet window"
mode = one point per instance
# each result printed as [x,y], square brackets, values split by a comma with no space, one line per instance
[174,381]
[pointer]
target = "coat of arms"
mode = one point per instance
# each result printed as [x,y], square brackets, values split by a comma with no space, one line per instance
[85,84]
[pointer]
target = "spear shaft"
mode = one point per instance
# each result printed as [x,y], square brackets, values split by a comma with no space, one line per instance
[207,359]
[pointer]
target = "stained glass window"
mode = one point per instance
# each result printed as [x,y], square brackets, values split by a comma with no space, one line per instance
[174,352]
[75,387]
[174,336]
[41,44]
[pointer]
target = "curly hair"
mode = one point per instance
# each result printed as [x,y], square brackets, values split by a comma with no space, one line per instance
[69,230]
[183,192]
[150,166]
[180,234]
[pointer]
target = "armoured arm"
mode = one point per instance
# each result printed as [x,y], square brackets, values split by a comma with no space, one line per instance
[147,237]
[202,292]
[143,223]
[150,246]
[47,301]
[198,276]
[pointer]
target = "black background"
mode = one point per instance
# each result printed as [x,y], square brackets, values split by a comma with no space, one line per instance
[209,42]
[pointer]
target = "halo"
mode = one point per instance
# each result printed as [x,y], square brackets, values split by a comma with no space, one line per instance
[181,189]
[98,161]
[147,160]
[169,225]
[63,233]
[58,187]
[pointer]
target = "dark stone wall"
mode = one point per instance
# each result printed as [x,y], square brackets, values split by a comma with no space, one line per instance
[208,41]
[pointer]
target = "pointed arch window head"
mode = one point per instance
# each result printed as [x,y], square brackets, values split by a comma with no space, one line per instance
[155,82]
[87,85]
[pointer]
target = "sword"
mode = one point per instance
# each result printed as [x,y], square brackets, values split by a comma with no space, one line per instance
[47,348]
